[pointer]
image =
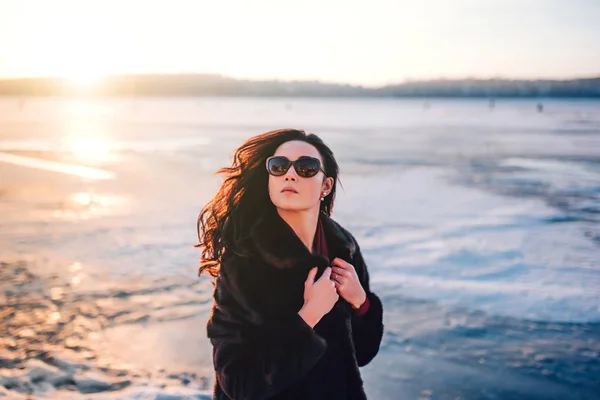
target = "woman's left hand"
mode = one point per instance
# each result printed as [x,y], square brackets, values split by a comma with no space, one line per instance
[346,282]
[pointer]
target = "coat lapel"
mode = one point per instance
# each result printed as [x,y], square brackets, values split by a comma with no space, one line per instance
[274,284]
[277,243]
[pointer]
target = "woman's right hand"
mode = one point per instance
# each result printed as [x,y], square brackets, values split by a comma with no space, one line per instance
[319,296]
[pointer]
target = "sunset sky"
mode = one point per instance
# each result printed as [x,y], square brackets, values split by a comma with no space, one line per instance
[361,42]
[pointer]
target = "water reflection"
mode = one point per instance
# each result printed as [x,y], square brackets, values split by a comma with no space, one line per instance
[87,205]
[87,137]
[87,145]
[56,166]
[84,141]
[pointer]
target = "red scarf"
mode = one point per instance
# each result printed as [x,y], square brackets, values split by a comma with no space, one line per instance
[320,243]
[320,246]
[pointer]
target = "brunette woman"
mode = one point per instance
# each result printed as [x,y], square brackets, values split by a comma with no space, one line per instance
[293,315]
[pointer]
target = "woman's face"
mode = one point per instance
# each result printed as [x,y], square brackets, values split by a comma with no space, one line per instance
[308,190]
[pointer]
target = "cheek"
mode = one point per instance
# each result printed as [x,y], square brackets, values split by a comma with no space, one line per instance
[272,186]
[312,188]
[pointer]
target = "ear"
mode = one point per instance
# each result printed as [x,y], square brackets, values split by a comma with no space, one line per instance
[327,184]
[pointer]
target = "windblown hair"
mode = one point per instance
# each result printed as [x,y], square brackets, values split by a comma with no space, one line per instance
[225,222]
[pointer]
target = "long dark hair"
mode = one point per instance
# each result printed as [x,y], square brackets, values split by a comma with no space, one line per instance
[225,221]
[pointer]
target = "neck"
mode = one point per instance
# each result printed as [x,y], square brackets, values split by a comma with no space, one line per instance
[304,224]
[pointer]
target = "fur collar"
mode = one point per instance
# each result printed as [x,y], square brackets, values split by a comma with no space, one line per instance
[279,245]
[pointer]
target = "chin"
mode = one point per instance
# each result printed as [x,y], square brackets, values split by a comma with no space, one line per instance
[291,206]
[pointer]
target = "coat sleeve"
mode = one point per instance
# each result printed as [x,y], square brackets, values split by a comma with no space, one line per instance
[367,330]
[255,359]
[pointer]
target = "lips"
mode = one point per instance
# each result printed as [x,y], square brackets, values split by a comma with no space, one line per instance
[288,189]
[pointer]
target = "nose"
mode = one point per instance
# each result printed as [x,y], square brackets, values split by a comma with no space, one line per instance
[291,174]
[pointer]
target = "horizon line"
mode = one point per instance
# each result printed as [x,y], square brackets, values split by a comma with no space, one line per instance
[101,77]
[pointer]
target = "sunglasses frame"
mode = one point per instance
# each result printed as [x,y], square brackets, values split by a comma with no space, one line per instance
[293,164]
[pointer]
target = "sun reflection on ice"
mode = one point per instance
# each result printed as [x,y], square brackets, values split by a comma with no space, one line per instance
[87,205]
[87,138]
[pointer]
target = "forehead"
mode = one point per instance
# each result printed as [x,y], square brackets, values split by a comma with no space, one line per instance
[295,149]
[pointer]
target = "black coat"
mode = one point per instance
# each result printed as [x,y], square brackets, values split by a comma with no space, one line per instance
[262,348]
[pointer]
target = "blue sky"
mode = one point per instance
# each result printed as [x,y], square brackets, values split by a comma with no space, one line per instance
[359,42]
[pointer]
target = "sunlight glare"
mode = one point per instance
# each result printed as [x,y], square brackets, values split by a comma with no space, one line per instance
[92,149]
[86,138]
[84,80]
[88,205]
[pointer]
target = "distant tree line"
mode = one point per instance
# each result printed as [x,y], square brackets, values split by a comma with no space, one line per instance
[217,85]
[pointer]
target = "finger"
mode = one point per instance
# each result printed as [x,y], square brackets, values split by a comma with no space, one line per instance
[341,263]
[337,277]
[326,273]
[311,276]
[333,276]
[341,271]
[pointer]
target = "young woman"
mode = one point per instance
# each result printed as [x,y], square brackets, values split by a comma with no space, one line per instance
[293,316]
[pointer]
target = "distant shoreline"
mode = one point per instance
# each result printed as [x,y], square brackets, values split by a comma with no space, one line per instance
[293,97]
[205,85]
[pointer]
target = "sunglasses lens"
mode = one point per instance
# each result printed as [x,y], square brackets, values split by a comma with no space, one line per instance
[278,166]
[307,167]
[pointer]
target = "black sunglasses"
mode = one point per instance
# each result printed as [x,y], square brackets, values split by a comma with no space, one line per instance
[305,166]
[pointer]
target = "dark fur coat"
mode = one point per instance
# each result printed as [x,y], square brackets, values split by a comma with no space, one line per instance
[262,348]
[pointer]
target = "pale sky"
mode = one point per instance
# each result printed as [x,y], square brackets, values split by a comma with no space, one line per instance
[360,42]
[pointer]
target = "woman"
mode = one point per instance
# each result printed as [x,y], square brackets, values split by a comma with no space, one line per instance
[293,315]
